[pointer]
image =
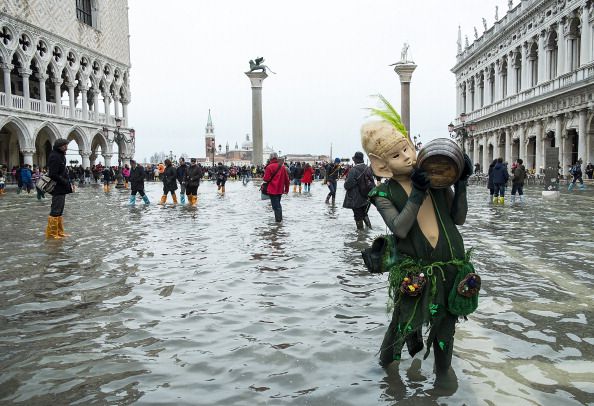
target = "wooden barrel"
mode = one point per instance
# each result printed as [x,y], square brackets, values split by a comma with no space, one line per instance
[443,160]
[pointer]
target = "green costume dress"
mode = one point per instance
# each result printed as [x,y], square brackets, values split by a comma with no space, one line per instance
[440,265]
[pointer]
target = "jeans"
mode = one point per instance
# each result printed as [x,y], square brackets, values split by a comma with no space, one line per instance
[499,189]
[332,187]
[57,208]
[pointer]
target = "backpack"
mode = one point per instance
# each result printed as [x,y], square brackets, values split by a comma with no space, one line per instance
[365,182]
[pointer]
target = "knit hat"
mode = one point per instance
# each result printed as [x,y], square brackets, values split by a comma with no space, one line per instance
[61,142]
[336,160]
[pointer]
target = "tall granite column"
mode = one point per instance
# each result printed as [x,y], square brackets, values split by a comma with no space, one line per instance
[405,71]
[256,79]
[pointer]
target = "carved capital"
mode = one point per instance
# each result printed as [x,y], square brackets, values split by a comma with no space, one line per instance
[57,81]
[25,72]
[27,151]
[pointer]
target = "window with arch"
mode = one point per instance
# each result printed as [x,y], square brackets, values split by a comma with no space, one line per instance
[84,12]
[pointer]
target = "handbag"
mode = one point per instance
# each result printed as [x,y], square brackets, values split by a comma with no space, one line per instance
[46,184]
[264,185]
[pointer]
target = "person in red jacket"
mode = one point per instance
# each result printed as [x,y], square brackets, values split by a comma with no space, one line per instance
[277,176]
[307,178]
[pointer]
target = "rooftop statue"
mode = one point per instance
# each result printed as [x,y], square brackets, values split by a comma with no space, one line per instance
[258,65]
[403,53]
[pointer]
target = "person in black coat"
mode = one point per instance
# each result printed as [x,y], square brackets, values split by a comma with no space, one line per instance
[169,182]
[500,177]
[108,177]
[490,185]
[137,183]
[58,172]
[355,185]
[192,180]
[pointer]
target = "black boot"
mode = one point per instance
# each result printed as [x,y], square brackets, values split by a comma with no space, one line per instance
[328,198]
[367,222]
[359,224]
[333,199]
[278,215]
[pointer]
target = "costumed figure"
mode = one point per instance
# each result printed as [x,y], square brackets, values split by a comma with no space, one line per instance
[431,280]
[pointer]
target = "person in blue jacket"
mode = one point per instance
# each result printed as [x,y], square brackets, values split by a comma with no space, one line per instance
[500,178]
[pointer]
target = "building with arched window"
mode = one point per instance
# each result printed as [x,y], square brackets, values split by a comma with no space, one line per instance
[527,83]
[65,69]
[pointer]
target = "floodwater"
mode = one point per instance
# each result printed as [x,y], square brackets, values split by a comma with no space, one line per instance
[221,306]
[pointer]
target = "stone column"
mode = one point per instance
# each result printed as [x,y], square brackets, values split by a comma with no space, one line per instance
[125,111]
[85,105]
[28,156]
[508,145]
[559,138]
[561,48]
[6,68]
[566,161]
[256,79]
[525,67]
[487,87]
[57,87]
[485,153]
[522,152]
[96,103]
[586,40]
[475,155]
[86,162]
[582,136]
[539,158]
[107,159]
[106,100]
[541,56]
[116,105]
[458,99]
[405,71]
[42,94]
[25,74]
[511,78]
[71,99]
[498,81]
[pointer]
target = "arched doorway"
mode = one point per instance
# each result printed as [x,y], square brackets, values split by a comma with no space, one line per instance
[98,148]
[76,147]
[44,141]
[13,135]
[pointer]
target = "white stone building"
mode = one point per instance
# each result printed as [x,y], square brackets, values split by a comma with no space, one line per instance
[66,74]
[527,83]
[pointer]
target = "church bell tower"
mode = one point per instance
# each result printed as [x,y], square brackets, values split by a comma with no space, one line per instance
[209,138]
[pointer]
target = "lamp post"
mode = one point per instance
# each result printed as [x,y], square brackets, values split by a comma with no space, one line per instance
[119,136]
[460,134]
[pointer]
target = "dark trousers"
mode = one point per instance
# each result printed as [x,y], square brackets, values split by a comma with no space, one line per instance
[499,189]
[275,201]
[139,191]
[57,208]
[516,187]
[191,190]
[360,212]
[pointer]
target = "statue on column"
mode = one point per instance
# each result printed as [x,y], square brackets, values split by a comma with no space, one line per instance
[403,53]
[258,65]
[496,13]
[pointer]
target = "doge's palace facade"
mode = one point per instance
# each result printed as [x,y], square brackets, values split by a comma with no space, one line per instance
[65,67]
[527,83]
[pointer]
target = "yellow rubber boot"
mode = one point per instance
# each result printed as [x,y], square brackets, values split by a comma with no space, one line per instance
[61,232]
[299,189]
[51,231]
[495,200]
[174,196]
[501,200]
[163,199]
[125,184]
[222,190]
[294,188]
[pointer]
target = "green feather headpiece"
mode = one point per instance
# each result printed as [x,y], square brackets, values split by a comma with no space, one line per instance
[389,114]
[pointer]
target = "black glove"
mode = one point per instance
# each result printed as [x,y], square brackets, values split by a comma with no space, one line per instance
[420,179]
[467,171]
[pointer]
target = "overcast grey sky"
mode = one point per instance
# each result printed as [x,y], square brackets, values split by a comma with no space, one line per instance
[329,56]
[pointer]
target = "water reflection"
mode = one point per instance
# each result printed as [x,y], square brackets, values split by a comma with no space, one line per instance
[220,305]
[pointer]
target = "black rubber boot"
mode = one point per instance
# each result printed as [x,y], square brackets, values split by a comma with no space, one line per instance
[328,198]
[367,222]
[359,224]
[278,215]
